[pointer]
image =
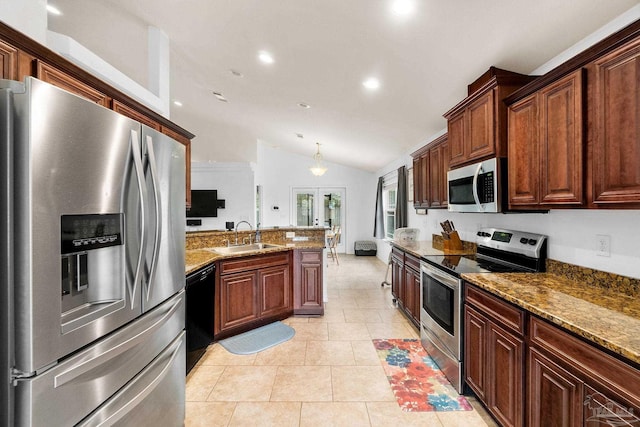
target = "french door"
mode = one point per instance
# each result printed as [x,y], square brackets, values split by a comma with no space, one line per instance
[314,206]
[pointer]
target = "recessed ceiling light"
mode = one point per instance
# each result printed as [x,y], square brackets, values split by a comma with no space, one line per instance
[220,96]
[303,105]
[299,135]
[177,103]
[403,7]
[371,83]
[53,10]
[236,73]
[265,57]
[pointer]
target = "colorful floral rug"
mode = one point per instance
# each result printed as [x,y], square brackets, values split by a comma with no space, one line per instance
[415,379]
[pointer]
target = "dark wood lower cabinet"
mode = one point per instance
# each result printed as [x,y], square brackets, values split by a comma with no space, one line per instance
[494,355]
[252,291]
[307,282]
[405,285]
[555,395]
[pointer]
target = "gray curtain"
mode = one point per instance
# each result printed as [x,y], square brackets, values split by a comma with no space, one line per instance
[378,226]
[401,198]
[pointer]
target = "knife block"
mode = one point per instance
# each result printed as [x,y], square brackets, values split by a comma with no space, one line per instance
[453,243]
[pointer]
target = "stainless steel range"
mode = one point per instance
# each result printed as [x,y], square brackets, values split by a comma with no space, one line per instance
[441,292]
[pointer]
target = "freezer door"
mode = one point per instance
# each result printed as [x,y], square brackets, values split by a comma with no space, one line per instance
[71,158]
[163,164]
[79,386]
[155,397]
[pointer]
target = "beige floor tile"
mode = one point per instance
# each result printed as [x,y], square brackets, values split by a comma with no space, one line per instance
[201,381]
[333,414]
[365,353]
[391,315]
[329,353]
[244,383]
[208,414]
[348,331]
[266,414]
[360,384]
[384,414]
[296,319]
[310,331]
[302,384]
[348,302]
[288,353]
[390,330]
[361,315]
[461,419]
[374,303]
[331,315]
[218,355]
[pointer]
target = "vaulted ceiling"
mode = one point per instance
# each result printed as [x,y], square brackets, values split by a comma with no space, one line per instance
[322,52]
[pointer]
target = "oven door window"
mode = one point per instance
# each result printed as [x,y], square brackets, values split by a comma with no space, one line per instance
[437,301]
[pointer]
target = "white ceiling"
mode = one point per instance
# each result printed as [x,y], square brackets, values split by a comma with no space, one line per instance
[323,50]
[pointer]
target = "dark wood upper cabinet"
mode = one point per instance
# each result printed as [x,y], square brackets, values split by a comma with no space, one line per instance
[430,166]
[546,146]
[8,61]
[125,110]
[477,126]
[614,85]
[56,77]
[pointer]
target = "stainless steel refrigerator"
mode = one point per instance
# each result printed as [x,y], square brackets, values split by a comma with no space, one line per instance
[92,264]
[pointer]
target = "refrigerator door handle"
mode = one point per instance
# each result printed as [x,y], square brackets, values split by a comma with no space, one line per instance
[137,162]
[153,169]
[116,350]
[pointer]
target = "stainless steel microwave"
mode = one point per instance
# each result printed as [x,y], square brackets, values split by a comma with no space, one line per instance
[479,187]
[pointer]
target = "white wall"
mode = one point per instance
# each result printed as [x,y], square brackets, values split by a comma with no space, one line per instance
[572,233]
[235,184]
[27,16]
[278,171]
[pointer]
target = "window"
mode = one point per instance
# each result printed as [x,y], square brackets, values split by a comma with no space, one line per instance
[389,192]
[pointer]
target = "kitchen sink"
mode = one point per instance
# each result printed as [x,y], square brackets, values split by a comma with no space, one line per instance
[229,250]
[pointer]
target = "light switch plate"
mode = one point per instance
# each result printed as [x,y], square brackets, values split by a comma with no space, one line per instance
[290,234]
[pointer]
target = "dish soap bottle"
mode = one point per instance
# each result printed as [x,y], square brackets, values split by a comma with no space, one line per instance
[258,234]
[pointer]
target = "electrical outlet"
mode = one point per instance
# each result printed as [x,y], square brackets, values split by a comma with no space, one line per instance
[603,245]
[290,234]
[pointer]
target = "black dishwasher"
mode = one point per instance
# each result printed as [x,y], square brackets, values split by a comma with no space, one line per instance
[200,303]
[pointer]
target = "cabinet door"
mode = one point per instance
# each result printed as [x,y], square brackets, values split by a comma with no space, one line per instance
[307,293]
[52,75]
[274,285]
[445,169]
[506,371]
[455,131]
[616,140]
[8,62]
[411,298]
[415,285]
[602,408]
[479,135]
[397,276]
[554,395]
[524,163]
[475,350]
[435,177]
[123,109]
[417,182]
[561,141]
[425,199]
[238,299]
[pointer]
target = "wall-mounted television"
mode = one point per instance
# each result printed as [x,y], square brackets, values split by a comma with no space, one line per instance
[204,203]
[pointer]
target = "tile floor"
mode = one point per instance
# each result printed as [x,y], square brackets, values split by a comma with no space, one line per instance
[327,375]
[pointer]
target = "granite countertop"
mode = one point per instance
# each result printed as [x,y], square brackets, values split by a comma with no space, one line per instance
[603,316]
[198,258]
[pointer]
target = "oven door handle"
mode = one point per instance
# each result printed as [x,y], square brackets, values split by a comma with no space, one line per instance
[445,279]
[476,197]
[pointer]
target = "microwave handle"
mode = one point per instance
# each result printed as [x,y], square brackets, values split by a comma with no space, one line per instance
[476,197]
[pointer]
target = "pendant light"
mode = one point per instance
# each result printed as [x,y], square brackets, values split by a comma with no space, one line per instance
[318,169]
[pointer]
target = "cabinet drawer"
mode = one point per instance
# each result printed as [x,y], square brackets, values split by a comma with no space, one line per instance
[501,311]
[587,360]
[412,262]
[253,262]
[311,256]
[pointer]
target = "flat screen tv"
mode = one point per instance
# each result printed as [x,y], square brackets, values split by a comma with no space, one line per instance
[204,203]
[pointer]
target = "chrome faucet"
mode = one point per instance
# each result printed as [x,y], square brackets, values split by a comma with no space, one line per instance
[250,228]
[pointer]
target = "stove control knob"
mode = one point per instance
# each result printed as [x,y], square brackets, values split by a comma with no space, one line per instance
[524,240]
[532,242]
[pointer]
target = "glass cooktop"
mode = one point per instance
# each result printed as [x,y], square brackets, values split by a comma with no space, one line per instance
[459,264]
